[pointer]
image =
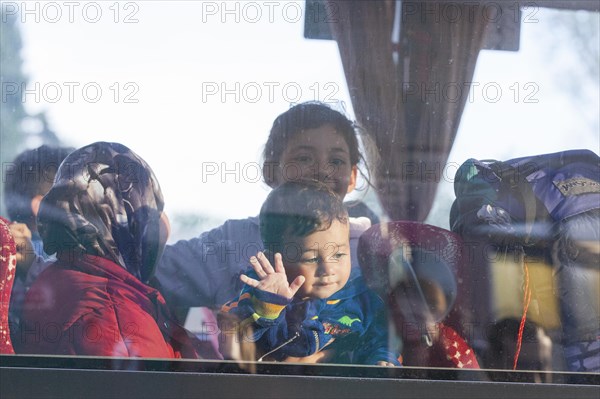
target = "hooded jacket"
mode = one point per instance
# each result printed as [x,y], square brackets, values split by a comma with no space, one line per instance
[352,322]
[102,218]
[92,306]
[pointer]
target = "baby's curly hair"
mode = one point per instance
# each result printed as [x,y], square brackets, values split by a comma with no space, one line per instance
[298,209]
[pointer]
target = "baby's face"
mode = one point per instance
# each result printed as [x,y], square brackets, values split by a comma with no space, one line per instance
[323,258]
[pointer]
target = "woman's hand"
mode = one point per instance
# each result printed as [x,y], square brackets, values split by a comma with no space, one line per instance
[324,356]
[271,279]
[25,253]
[385,364]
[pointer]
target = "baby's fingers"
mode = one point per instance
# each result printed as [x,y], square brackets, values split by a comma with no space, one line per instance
[258,268]
[249,281]
[296,284]
[279,264]
[264,261]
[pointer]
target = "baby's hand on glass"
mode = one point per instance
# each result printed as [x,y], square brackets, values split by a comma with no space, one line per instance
[271,279]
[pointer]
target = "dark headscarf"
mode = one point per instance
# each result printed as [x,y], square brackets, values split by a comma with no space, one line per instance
[106,202]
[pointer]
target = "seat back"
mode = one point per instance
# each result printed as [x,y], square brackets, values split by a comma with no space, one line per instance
[8,265]
[414,266]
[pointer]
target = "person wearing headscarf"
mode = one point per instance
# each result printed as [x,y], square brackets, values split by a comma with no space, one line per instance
[104,219]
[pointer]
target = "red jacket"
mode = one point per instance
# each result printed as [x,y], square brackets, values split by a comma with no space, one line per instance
[92,306]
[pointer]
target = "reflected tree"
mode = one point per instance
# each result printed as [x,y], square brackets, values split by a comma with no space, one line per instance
[18,129]
[12,111]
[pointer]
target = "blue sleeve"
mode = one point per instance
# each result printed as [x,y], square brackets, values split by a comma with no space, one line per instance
[263,311]
[263,308]
[277,324]
[204,271]
[374,342]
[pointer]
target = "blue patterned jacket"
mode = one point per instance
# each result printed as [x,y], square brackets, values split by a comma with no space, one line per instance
[352,322]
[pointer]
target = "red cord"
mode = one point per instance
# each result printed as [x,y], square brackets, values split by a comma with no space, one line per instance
[526,300]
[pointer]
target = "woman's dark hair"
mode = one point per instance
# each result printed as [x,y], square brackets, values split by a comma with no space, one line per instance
[32,174]
[304,116]
[298,209]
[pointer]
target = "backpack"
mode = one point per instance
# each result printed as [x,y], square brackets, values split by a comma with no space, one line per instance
[520,200]
[537,205]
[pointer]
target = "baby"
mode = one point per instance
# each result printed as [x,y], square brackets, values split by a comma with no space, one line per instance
[305,307]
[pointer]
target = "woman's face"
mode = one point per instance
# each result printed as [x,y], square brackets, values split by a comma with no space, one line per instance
[319,154]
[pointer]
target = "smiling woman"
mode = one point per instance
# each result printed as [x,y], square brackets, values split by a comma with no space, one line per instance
[418,88]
